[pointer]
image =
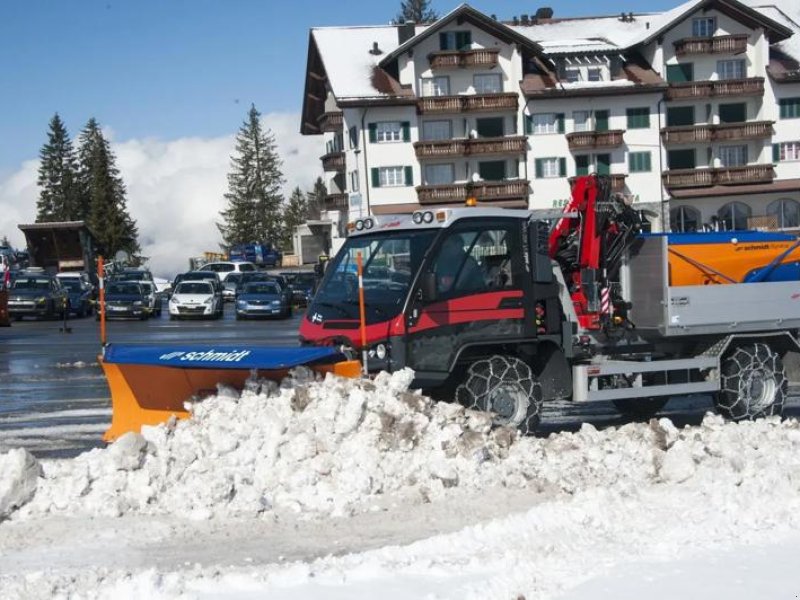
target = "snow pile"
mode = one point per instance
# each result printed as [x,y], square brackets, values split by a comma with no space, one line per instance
[336,447]
[19,475]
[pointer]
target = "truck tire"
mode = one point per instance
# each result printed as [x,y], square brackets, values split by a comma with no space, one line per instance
[753,383]
[505,386]
[640,408]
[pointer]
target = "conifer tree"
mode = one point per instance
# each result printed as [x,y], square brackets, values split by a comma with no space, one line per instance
[419,11]
[58,189]
[103,192]
[254,210]
[316,200]
[295,215]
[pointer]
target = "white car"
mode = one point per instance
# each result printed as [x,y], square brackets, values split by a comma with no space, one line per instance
[195,299]
[223,269]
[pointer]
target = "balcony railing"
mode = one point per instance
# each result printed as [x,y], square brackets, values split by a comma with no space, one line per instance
[689,178]
[692,134]
[617,181]
[721,44]
[581,140]
[335,202]
[468,103]
[464,59]
[751,86]
[333,161]
[331,121]
[484,191]
[467,147]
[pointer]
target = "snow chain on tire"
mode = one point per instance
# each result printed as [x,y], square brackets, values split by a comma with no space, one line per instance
[753,383]
[505,386]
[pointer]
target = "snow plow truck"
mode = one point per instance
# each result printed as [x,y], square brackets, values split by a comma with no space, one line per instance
[503,310]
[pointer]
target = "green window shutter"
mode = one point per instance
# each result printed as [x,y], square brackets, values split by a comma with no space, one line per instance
[582,164]
[528,124]
[539,168]
[409,175]
[406,131]
[647,164]
[463,40]
[443,41]
[373,133]
[776,153]
[601,120]
[376,177]
[560,122]
[562,167]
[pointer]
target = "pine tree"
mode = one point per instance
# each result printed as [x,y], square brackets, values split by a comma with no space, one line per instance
[419,11]
[103,191]
[295,215]
[254,210]
[58,195]
[316,200]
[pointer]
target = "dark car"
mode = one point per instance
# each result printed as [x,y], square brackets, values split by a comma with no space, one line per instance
[268,277]
[80,295]
[262,299]
[126,300]
[303,286]
[36,295]
[133,275]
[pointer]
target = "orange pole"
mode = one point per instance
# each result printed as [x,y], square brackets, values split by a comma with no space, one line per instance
[100,276]
[362,314]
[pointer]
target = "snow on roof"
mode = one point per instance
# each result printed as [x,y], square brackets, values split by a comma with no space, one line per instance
[661,22]
[578,45]
[593,30]
[787,13]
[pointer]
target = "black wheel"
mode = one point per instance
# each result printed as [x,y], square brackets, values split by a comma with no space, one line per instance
[505,386]
[640,408]
[753,383]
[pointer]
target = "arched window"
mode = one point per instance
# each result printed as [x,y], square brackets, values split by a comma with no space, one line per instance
[684,219]
[734,215]
[787,212]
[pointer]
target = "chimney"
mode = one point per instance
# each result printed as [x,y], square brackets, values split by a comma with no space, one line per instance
[375,51]
[543,15]
[524,19]
[406,31]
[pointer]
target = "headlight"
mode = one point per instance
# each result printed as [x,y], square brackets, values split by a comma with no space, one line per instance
[380,351]
[208,300]
[41,300]
[137,302]
[428,217]
[275,303]
[417,218]
[241,303]
[173,300]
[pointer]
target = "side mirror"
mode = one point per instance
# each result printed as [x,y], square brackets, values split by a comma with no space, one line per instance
[428,286]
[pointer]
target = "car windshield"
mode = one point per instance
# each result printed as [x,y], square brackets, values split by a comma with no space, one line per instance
[127,289]
[304,280]
[31,283]
[147,287]
[262,288]
[131,276]
[389,263]
[194,287]
[73,285]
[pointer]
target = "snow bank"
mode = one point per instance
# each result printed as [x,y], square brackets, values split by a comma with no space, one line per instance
[337,446]
[19,475]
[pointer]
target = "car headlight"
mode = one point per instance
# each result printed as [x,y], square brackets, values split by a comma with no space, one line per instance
[208,300]
[275,303]
[241,303]
[137,302]
[173,300]
[380,351]
[41,300]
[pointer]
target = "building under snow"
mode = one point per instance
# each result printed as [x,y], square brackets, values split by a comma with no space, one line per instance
[694,111]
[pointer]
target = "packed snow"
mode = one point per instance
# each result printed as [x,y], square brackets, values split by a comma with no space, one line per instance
[341,488]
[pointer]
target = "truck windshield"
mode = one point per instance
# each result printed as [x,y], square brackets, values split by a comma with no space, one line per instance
[389,262]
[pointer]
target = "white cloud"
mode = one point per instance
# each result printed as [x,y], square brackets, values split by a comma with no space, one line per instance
[175,189]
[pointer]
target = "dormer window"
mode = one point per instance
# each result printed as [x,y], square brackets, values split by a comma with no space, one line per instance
[572,74]
[455,40]
[594,74]
[704,27]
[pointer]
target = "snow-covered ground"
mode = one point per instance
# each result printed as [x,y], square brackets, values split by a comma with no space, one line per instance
[349,489]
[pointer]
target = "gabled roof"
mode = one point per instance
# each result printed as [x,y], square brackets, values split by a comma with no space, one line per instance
[465,13]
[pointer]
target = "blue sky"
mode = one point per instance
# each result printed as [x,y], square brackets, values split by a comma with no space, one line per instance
[167,69]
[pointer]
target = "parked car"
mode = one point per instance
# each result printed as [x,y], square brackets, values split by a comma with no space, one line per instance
[209,276]
[79,293]
[125,300]
[260,276]
[225,269]
[87,279]
[303,286]
[263,255]
[229,287]
[36,294]
[154,301]
[263,299]
[195,299]
[133,275]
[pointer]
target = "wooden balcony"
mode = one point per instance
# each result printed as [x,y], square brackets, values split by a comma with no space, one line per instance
[720,44]
[467,147]
[333,161]
[464,59]
[586,140]
[484,191]
[617,181]
[335,202]
[690,178]
[331,121]
[686,134]
[692,134]
[468,103]
[698,90]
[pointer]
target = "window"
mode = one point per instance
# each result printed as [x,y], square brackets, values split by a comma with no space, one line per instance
[681,159]
[603,164]
[389,131]
[704,27]
[354,183]
[572,74]
[639,162]
[488,83]
[353,136]
[490,127]
[680,73]
[336,144]
[548,168]
[733,156]
[731,69]
[680,115]
[492,170]
[455,40]
[582,164]
[787,212]
[582,120]
[392,176]
[733,113]
[684,219]
[594,74]
[547,123]
[439,174]
[786,151]
[435,86]
[601,120]
[733,216]
[638,118]
[789,108]
[437,130]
